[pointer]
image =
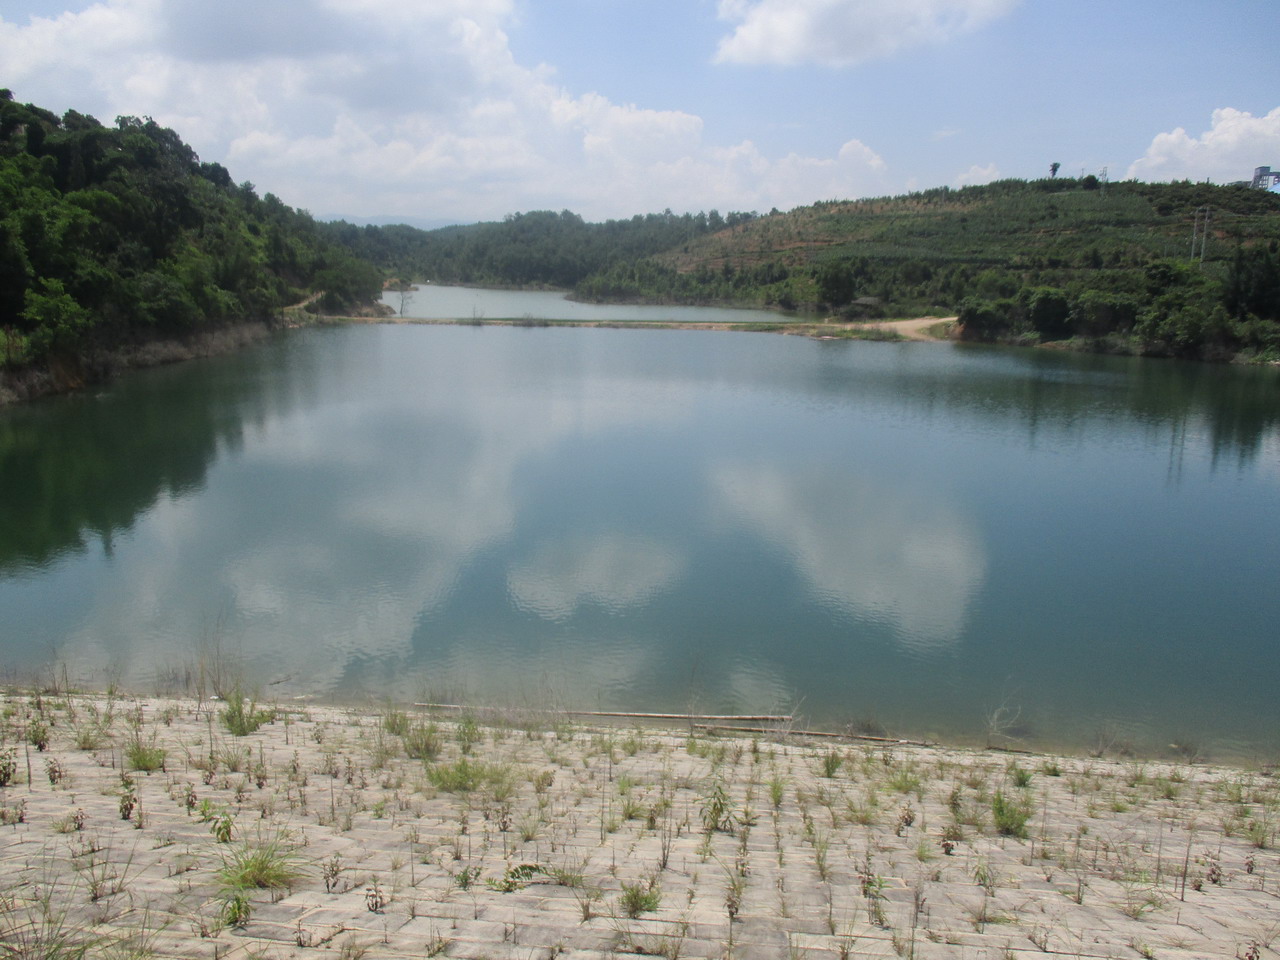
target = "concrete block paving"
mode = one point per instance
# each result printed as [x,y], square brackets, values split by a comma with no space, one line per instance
[527,837]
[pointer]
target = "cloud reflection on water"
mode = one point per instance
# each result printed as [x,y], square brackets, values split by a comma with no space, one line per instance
[899,555]
[613,570]
[322,541]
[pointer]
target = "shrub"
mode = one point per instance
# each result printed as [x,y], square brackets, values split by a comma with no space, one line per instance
[144,755]
[242,716]
[422,741]
[38,735]
[1010,816]
[638,898]
[465,776]
[269,863]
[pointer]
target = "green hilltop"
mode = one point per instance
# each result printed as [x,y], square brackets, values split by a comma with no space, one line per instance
[115,235]
[111,236]
[1104,266]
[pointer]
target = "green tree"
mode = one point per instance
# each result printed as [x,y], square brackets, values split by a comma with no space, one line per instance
[57,324]
[1047,310]
[836,284]
[983,319]
[15,273]
[1253,282]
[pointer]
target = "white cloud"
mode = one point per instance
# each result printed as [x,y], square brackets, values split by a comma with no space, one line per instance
[371,107]
[840,33]
[976,175]
[1234,144]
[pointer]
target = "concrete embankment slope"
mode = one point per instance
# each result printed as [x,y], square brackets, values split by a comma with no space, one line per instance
[532,837]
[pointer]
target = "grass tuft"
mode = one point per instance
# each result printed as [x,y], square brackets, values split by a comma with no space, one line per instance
[422,741]
[641,897]
[270,863]
[1010,816]
[144,755]
[467,776]
[241,715]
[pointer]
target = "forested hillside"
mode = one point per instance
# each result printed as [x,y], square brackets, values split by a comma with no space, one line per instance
[116,235]
[1109,265]
[540,248]
[1106,266]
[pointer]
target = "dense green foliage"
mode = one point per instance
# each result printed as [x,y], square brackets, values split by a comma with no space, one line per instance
[117,234]
[1108,266]
[541,248]
[112,235]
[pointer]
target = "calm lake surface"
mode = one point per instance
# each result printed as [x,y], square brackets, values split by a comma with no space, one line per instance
[429,301]
[898,536]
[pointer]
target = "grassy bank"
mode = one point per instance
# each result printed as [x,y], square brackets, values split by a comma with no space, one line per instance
[230,828]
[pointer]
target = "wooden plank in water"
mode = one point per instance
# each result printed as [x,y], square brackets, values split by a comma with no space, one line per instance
[743,718]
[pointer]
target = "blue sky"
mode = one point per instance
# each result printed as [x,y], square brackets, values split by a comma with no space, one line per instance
[471,109]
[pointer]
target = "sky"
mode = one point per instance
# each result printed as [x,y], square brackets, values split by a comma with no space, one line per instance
[464,110]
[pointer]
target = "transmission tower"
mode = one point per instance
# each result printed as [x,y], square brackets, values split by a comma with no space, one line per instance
[1200,231]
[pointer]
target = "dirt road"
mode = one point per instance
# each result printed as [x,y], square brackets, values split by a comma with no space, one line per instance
[916,329]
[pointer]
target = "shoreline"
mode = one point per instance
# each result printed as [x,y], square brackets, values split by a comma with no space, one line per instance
[920,329]
[103,366]
[532,836]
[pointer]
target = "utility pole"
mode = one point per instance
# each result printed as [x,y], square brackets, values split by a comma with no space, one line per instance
[1200,230]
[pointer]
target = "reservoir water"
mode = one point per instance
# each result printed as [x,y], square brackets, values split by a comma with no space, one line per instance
[971,543]
[435,302]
